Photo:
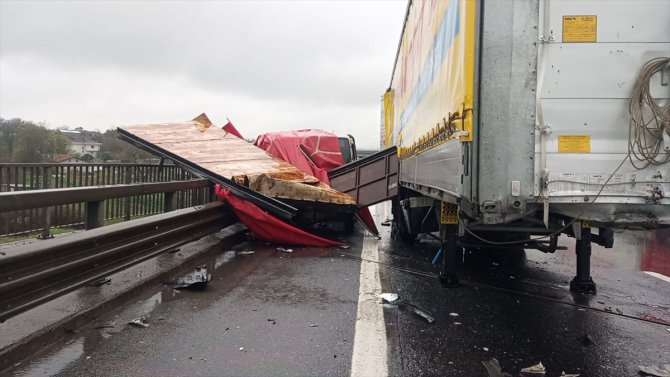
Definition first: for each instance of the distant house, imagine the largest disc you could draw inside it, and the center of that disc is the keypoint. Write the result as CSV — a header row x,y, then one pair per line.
x,y
67,159
80,144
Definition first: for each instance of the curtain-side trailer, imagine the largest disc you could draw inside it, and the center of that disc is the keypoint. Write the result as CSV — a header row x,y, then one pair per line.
x,y
517,121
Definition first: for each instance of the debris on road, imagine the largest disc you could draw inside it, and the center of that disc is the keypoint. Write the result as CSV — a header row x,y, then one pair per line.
x,y
485,349
493,367
563,374
246,252
394,299
139,322
196,280
453,314
656,370
274,321
586,340
108,326
284,250
241,348
389,297
313,325
100,282
535,369
345,247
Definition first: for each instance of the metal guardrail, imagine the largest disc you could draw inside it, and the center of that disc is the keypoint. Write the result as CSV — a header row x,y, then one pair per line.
x,y
39,272
93,199
39,176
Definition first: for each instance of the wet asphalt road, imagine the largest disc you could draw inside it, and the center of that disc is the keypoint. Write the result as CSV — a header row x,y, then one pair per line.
x,y
278,314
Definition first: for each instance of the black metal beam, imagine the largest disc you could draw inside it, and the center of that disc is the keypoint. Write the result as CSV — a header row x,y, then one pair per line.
x,y
18,200
272,205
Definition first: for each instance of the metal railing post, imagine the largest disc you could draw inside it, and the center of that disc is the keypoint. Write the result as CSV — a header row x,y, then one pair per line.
x,y
170,201
126,201
95,214
46,219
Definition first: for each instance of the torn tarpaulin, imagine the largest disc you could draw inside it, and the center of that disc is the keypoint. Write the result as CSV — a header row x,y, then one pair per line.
x,y
267,227
313,151
232,130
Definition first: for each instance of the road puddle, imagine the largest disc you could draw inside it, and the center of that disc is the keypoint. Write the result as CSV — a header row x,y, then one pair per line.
x,y
55,361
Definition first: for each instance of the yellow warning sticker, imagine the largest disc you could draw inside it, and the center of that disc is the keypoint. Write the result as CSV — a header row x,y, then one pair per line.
x,y
448,213
574,144
580,28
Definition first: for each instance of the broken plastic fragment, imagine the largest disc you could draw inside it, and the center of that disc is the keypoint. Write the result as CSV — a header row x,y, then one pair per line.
x,y
535,369
563,374
453,314
241,348
284,250
246,252
393,299
194,280
139,322
656,370
421,313
389,297
493,367
344,247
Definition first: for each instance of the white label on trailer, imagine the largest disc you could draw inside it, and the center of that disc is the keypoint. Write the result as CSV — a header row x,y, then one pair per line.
x,y
568,182
596,181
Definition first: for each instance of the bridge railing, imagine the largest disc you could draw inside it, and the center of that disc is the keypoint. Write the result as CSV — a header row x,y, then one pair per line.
x,y
18,177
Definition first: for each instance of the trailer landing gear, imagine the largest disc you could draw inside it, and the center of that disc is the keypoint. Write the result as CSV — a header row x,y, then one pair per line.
x,y
582,282
452,250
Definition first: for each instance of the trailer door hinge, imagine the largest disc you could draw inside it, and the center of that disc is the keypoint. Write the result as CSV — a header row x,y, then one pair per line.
x,y
547,39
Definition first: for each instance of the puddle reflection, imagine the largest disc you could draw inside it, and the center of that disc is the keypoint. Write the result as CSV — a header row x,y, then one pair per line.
x,y
54,362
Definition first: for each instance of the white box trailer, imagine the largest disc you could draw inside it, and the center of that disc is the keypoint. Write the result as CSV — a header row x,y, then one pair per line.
x,y
519,118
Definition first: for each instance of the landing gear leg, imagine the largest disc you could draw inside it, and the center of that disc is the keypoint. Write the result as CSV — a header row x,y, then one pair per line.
x,y
449,237
582,282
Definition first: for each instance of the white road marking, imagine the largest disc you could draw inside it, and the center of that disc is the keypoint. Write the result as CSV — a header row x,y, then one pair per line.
x,y
369,354
657,275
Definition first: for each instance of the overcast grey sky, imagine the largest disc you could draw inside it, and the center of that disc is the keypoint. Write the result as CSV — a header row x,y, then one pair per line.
x,y
267,65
